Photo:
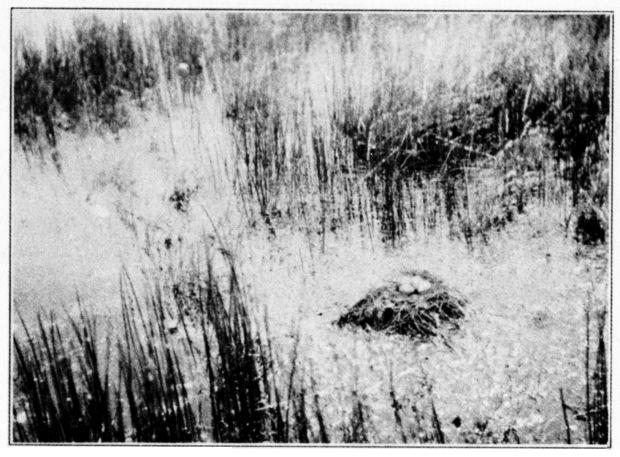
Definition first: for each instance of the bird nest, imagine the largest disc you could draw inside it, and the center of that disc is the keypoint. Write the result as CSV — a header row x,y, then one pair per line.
x,y
417,305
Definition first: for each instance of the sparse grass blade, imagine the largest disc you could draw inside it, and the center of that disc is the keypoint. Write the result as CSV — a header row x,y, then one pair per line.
x,y
599,409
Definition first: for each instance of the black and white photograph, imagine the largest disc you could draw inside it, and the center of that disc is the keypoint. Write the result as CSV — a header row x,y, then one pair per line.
x,y
329,227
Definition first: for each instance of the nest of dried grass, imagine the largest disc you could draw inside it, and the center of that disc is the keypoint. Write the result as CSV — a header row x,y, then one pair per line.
x,y
417,305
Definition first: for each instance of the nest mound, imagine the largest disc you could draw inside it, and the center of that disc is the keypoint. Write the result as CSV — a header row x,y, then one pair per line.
x,y
417,305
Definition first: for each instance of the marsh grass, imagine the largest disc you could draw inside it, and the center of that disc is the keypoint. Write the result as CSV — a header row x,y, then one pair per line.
x,y
63,387
317,144
64,391
237,383
597,404
339,152
140,389
155,386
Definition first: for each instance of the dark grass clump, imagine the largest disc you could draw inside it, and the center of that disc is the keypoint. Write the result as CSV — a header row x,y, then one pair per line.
x,y
64,393
246,402
62,388
155,384
81,77
597,401
181,197
418,305
251,397
236,388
